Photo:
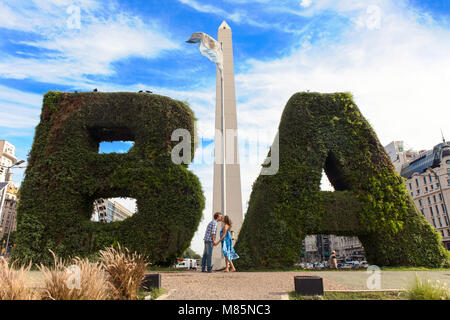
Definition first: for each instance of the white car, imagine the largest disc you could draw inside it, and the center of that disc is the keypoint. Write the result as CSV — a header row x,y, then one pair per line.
x,y
363,264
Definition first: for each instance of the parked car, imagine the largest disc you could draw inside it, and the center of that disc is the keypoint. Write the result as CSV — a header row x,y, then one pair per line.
x,y
346,266
190,264
363,264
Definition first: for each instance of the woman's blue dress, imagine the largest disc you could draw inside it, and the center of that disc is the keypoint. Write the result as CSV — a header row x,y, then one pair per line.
x,y
227,246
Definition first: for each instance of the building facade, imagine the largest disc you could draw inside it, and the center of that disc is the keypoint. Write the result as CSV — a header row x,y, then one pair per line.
x,y
428,182
399,154
8,215
347,247
318,248
7,159
9,194
109,210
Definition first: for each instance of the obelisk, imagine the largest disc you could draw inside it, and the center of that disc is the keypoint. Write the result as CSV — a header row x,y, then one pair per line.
x,y
233,196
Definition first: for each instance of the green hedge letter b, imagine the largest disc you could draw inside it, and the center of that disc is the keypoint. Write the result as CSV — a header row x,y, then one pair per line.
x,y
327,132
66,174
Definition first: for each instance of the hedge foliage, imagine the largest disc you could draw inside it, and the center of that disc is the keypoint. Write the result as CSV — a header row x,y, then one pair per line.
x,y
66,174
327,131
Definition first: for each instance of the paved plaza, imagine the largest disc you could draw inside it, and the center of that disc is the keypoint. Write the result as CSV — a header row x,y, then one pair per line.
x,y
269,285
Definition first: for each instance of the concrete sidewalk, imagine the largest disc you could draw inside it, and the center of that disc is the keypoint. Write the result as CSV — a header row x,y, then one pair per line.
x,y
191,285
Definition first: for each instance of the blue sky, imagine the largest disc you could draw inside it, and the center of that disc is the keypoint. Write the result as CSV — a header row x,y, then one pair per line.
x,y
392,55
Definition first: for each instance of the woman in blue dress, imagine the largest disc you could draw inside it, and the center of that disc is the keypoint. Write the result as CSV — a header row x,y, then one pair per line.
x,y
227,244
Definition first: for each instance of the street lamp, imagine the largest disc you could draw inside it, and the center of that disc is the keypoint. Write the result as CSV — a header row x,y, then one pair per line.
x,y
212,49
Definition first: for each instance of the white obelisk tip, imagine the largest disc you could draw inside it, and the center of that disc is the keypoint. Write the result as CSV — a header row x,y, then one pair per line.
x,y
224,25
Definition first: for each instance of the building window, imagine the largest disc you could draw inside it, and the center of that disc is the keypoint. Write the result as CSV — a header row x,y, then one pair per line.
x,y
410,186
442,232
440,223
431,211
425,180
434,199
446,220
423,212
421,202
431,178
418,190
440,196
434,223
448,181
429,200
432,187
437,209
443,208
417,182
412,194
448,161
426,189
448,232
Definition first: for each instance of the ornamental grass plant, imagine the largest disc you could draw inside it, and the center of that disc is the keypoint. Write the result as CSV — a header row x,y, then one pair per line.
x,y
125,271
13,282
81,280
428,290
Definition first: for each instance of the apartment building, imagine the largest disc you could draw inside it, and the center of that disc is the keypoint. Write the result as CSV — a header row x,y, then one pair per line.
x,y
428,181
8,221
109,210
7,159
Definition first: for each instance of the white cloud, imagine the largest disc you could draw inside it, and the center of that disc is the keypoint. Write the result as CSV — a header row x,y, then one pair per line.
x,y
18,109
306,3
19,97
69,56
241,15
398,74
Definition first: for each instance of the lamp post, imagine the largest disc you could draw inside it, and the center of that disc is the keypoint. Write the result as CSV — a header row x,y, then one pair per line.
x,y
1,206
213,50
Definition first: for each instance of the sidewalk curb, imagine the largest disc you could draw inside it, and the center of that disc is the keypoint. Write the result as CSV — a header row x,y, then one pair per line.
x,y
165,295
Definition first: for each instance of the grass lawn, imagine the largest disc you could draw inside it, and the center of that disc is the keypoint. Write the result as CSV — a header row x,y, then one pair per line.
x,y
154,294
335,295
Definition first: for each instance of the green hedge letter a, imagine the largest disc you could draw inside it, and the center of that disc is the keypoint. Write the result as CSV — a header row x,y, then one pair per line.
x,y
327,132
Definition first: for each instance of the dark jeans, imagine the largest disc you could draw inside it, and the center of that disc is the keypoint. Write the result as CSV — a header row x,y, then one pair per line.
x,y
207,256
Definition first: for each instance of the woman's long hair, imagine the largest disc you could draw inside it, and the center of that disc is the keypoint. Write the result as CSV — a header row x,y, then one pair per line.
x,y
227,221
